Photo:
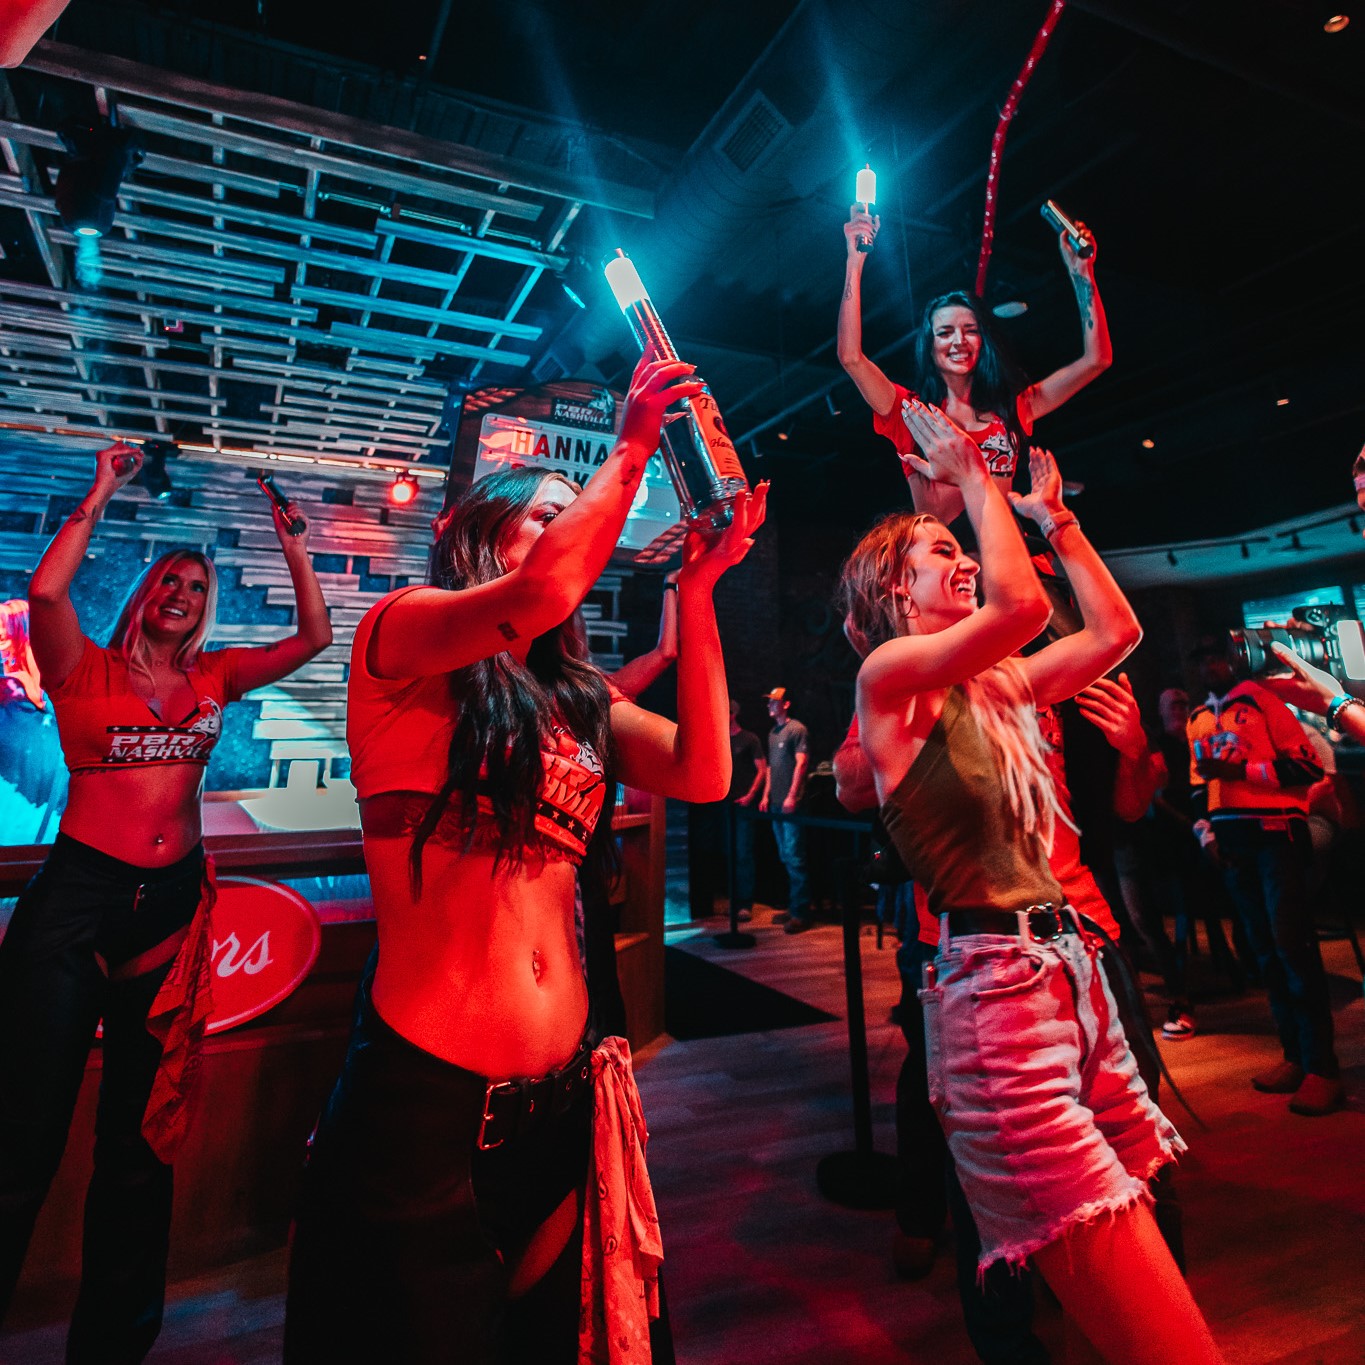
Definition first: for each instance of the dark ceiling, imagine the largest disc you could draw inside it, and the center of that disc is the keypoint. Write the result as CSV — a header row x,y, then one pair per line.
x,y
1213,147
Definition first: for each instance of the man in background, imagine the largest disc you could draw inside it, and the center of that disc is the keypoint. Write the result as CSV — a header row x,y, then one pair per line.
x,y
1253,767
783,786
748,775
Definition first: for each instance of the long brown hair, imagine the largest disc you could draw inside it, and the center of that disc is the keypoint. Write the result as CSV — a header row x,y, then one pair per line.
x,y
504,707
127,637
999,698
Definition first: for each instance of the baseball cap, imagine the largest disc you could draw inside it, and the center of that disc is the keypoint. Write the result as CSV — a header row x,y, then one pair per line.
x,y
777,694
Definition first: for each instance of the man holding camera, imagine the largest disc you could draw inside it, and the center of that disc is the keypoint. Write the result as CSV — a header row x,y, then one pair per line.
x,y
1254,766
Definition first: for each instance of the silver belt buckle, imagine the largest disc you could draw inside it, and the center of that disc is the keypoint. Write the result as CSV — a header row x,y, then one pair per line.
x,y
491,1089
1046,908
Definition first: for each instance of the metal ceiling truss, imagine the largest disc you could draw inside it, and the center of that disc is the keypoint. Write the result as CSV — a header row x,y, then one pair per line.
x,y
277,277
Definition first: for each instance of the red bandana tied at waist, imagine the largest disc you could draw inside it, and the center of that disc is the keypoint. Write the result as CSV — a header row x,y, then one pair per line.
x,y
622,1250
177,1021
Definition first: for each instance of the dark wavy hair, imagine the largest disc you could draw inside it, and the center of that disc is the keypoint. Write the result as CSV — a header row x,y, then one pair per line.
x,y
503,707
997,380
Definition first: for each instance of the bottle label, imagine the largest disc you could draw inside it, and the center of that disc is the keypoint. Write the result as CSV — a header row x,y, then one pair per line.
x,y
724,456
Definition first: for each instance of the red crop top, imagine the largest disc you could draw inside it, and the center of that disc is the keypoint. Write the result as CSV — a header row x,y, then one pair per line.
x,y
399,731
996,444
103,723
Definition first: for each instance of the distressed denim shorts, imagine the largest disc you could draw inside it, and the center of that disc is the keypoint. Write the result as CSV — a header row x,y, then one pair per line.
x,y
1047,1119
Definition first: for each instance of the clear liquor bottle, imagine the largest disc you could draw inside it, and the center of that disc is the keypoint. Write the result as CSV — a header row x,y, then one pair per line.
x,y
698,453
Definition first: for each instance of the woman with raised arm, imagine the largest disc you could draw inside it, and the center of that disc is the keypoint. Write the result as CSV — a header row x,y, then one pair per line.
x,y
475,1189
1052,1132
961,367
114,925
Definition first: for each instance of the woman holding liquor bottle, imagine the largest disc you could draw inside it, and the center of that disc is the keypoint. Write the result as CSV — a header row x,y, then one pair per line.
x,y
475,1190
962,368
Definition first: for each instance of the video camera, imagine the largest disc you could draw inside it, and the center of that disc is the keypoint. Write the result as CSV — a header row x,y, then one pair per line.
x,y
1327,638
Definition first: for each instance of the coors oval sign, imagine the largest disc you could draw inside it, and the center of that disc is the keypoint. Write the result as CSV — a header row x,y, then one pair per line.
x,y
265,940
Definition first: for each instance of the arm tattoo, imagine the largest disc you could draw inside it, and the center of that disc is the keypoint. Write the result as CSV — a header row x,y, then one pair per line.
x,y
78,516
1085,296
506,631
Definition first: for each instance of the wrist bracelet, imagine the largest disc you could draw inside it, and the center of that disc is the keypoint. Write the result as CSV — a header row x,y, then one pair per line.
x,y
670,587
1338,704
1050,525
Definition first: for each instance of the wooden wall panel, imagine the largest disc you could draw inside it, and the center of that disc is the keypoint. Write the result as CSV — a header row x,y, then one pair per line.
x,y
362,548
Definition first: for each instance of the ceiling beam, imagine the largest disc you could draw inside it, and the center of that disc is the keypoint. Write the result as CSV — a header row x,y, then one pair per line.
x,y
117,73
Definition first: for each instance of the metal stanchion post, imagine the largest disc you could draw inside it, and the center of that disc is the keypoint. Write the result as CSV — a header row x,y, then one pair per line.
x,y
862,1178
734,938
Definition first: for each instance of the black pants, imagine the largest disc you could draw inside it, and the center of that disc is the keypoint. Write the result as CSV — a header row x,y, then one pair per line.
x,y
1267,871
81,917
405,1231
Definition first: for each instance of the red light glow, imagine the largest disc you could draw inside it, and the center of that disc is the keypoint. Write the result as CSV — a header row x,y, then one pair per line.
x,y
403,490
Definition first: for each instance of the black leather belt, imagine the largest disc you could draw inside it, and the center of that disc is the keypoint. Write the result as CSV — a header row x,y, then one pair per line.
x,y
1044,922
511,1107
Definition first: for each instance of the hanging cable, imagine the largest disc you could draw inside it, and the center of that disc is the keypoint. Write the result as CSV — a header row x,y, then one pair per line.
x,y
1035,53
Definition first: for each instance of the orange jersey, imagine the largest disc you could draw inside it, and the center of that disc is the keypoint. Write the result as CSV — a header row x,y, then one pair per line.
x,y
1253,726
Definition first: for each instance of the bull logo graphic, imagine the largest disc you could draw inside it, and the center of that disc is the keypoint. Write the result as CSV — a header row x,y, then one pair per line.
x,y
210,719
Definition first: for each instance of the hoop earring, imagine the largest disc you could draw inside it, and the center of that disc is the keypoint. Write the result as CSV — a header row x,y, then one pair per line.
x,y
910,611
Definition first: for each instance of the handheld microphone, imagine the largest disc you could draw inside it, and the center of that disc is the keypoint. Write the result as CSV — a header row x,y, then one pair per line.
x,y
293,523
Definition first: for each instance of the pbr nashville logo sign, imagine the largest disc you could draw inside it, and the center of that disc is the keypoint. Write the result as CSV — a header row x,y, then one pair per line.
x,y
597,413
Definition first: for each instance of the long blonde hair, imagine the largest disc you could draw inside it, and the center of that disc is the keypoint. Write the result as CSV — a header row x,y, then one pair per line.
x,y
128,639
1000,699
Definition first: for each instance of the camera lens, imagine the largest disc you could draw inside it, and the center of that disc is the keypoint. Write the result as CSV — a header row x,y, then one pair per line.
x,y
1245,656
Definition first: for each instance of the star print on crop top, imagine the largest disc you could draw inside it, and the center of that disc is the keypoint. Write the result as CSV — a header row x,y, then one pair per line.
x,y
995,442
399,730
104,724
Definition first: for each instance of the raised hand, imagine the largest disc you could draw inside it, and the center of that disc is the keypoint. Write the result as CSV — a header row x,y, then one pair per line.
x,y
1044,498
654,385
289,541
945,451
1110,706
860,224
1083,265
707,556
115,466
1310,687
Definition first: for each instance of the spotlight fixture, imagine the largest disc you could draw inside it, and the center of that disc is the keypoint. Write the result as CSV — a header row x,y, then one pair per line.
x,y
99,155
1246,550
785,433
1171,559
1336,23
1294,542
1148,443
403,490
153,476
1282,402
1010,308
829,403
